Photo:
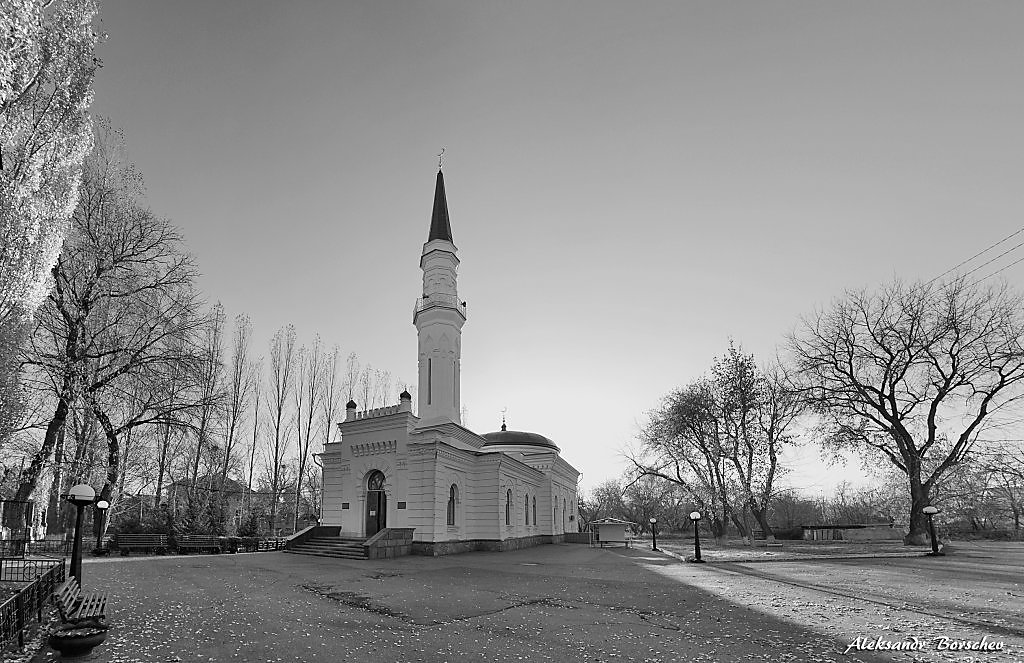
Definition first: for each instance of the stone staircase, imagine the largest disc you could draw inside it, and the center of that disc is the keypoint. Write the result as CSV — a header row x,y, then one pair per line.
x,y
330,546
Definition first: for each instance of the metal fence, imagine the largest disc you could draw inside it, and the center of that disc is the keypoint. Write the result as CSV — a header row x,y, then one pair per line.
x,y
265,545
21,547
17,612
23,569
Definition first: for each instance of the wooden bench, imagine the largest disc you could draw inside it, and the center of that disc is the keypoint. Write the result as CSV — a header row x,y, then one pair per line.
x,y
76,608
199,542
150,542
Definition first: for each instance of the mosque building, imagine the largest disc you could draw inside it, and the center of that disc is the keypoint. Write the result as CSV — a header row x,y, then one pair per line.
x,y
455,489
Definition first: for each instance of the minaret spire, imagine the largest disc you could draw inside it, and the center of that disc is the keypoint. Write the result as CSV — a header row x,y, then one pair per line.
x,y
440,227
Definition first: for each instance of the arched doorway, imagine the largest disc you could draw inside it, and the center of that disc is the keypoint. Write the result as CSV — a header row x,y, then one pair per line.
x,y
376,503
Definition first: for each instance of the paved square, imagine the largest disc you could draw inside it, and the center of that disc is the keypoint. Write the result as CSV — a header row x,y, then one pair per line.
x,y
554,603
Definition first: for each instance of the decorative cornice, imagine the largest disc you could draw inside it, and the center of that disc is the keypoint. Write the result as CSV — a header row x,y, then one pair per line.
x,y
374,448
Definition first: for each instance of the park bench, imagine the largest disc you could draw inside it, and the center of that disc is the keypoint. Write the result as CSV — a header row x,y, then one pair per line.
x,y
199,542
150,542
76,608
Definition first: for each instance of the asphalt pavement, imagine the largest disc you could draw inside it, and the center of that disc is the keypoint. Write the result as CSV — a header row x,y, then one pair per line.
x,y
549,603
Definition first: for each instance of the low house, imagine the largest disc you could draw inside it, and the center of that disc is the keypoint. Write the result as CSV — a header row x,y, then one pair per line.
x,y
612,530
852,532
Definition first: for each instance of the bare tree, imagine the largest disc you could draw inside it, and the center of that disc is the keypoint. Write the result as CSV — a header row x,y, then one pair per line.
x,y
240,385
381,387
756,409
683,443
308,393
366,388
211,393
282,376
719,439
332,390
257,380
914,374
352,373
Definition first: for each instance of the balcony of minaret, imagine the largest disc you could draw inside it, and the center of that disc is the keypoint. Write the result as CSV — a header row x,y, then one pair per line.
x,y
439,300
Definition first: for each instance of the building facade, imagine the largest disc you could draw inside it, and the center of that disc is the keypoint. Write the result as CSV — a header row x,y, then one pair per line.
x,y
457,489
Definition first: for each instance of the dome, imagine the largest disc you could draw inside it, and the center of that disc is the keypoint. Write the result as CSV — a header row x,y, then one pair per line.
x,y
515,438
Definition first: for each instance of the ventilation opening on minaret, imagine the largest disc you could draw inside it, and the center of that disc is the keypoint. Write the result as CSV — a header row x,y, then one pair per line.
x,y
430,379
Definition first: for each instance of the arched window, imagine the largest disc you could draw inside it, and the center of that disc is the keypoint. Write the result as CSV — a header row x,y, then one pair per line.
x,y
534,509
508,507
453,497
376,481
526,509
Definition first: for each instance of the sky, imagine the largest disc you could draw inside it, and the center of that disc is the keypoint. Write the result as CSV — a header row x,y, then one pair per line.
x,y
630,185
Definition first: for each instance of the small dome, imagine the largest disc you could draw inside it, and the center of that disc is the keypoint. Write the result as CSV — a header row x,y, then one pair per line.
x,y
405,395
518,439
351,405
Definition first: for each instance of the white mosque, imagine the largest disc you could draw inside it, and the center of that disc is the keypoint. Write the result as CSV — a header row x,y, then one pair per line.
x,y
456,490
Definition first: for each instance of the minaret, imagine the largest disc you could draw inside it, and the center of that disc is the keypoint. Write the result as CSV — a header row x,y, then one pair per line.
x,y
439,316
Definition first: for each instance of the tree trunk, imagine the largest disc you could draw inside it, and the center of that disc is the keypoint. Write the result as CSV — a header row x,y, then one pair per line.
x,y
113,453
919,499
30,477
53,521
161,468
718,527
740,526
761,516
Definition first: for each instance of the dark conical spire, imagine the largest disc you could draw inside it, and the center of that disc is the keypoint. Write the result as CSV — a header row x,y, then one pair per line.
x,y
440,228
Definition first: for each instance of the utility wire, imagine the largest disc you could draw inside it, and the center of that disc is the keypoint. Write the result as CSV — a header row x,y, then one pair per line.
x,y
979,253
992,260
1002,269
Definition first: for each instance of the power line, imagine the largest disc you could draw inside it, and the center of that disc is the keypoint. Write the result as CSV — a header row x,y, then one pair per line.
x,y
989,262
979,253
1002,269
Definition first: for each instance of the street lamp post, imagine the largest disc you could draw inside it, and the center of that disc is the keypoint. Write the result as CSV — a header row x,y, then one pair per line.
x,y
654,533
101,507
79,495
695,517
930,511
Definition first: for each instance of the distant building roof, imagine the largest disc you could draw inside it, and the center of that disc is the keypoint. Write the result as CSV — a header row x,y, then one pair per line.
x,y
230,485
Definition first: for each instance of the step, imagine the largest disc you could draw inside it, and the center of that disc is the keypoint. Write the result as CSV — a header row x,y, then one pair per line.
x,y
330,546
318,553
322,544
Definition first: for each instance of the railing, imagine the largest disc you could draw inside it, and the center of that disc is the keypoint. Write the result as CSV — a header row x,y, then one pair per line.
x,y
253,544
378,412
267,545
19,569
20,548
440,300
16,612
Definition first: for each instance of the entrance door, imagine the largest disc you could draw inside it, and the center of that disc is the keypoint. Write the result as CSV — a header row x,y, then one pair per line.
x,y
376,504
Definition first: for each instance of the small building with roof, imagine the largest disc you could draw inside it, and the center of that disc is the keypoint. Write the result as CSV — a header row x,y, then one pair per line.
x,y
457,490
